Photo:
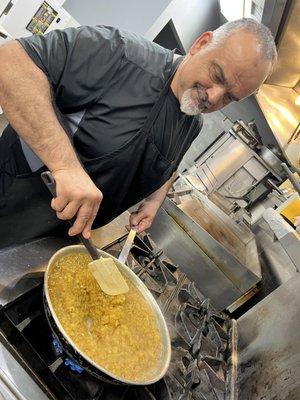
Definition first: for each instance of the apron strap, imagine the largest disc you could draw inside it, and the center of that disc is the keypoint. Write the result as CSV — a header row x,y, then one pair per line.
x,y
161,99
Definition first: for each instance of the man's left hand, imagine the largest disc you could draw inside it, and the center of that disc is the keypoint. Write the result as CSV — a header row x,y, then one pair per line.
x,y
142,218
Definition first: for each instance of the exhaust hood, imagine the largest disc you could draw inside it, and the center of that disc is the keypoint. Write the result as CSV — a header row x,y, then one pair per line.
x,y
278,96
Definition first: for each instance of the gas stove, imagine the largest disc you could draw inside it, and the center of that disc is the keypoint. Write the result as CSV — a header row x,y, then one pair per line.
x,y
199,336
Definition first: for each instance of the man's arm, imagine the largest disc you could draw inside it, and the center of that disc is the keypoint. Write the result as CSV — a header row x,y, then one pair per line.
x,y
142,218
25,97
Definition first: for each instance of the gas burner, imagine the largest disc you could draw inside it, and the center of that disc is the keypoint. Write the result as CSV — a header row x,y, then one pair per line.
x,y
189,321
190,294
189,379
156,275
182,375
154,252
199,338
206,389
71,364
150,264
200,345
183,366
145,251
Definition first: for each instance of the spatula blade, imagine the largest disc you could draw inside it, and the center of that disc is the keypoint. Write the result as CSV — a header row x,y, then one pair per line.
x,y
108,276
127,246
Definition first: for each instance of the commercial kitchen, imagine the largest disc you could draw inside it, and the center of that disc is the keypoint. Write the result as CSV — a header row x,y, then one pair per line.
x,y
222,257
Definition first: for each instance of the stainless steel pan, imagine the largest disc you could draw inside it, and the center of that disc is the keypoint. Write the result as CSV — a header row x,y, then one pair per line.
x,y
80,357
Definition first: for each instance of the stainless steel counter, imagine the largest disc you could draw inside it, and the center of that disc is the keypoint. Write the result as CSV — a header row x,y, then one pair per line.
x,y
218,274
15,383
236,238
22,266
268,346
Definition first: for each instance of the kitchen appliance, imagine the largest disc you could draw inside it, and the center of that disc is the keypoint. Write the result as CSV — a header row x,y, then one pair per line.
x,y
235,170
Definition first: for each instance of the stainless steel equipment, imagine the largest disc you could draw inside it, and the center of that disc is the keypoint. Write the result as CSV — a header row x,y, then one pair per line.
x,y
227,279
262,345
237,167
277,97
266,356
199,336
287,236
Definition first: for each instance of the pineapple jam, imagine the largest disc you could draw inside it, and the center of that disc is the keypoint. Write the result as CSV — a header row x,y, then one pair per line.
x,y
119,333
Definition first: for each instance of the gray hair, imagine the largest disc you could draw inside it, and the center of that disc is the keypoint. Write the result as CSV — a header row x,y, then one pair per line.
x,y
261,32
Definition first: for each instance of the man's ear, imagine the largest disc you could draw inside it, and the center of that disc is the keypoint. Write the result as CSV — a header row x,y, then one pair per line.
x,y
201,42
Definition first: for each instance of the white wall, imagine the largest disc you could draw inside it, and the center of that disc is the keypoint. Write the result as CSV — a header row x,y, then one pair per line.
x,y
190,17
132,15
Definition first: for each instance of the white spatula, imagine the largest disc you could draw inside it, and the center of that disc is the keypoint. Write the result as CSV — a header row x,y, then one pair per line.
x,y
127,246
100,269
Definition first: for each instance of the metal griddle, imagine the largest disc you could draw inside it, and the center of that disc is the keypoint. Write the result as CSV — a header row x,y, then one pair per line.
x,y
218,273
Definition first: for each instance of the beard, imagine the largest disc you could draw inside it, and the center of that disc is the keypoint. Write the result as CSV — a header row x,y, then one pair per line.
x,y
192,101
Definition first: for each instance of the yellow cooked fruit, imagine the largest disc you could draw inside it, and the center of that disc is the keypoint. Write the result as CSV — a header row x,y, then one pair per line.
x,y
119,333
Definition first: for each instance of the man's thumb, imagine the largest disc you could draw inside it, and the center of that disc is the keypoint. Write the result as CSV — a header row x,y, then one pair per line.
x,y
135,218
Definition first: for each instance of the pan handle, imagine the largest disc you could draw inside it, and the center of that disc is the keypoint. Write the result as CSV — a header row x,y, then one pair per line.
x,y
49,181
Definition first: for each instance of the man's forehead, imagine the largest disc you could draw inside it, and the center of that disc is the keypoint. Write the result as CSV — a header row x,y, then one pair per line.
x,y
240,81
242,50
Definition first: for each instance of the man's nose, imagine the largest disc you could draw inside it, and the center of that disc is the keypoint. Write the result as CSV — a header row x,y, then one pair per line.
x,y
215,94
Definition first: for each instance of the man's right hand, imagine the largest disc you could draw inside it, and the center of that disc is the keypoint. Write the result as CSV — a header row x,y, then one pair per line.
x,y
26,99
77,196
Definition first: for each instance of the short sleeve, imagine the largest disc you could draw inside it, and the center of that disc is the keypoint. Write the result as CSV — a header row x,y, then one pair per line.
x,y
79,62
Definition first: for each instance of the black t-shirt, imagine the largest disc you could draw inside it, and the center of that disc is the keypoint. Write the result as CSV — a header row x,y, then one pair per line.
x,y
105,81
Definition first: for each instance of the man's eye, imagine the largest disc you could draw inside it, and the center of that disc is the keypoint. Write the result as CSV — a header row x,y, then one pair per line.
x,y
218,79
228,98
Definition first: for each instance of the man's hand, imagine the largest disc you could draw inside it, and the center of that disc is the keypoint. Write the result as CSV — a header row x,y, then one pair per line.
x,y
25,96
77,196
142,218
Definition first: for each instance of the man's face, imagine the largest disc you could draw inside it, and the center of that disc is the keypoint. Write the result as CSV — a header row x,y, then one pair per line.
x,y
212,77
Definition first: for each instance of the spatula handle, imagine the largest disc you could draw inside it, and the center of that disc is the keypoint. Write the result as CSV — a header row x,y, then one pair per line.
x,y
49,181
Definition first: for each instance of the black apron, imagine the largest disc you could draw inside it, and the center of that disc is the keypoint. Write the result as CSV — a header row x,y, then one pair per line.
x,y
124,176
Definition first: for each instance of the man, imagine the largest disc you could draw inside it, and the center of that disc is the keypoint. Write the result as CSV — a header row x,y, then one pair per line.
x,y
111,115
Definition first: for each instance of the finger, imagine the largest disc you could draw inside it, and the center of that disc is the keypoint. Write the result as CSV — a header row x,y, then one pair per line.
x,y
59,203
143,225
88,227
135,218
132,217
69,211
83,215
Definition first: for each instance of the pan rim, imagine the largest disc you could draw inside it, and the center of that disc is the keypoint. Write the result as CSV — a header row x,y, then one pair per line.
x,y
166,342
